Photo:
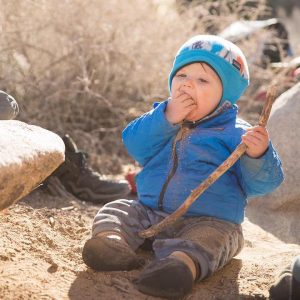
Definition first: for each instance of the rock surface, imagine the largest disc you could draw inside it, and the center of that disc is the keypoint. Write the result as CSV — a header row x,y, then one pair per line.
x,y
279,212
28,155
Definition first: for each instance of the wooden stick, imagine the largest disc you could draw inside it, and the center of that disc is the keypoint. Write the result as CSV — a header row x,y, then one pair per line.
x,y
229,162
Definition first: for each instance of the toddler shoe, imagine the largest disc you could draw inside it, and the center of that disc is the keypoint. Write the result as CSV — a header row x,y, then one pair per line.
x,y
109,253
168,277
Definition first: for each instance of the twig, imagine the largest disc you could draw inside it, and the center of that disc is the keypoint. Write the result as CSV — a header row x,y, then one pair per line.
x,y
235,155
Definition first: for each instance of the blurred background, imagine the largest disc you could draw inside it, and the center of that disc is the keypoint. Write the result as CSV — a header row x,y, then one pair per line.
x,y
88,67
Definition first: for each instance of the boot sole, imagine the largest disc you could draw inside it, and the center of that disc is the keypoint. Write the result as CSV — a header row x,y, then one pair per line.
x,y
88,195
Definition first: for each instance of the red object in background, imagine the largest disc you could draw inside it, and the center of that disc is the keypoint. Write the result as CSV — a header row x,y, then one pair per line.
x,y
296,73
261,95
130,177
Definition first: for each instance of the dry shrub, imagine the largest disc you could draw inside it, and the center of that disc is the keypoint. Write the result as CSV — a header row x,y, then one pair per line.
x,y
88,67
261,76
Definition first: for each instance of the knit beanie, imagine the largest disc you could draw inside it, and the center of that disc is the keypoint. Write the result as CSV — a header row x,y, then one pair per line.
x,y
224,57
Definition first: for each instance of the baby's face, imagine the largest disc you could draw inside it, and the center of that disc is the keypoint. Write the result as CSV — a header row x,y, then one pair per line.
x,y
202,84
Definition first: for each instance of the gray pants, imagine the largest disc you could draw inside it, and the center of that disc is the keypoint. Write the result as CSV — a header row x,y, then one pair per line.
x,y
209,241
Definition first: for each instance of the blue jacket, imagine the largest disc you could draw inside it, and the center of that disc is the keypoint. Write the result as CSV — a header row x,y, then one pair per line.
x,y
149,139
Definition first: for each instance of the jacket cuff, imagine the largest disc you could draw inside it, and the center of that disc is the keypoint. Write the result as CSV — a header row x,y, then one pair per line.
x,y
263,163
159,109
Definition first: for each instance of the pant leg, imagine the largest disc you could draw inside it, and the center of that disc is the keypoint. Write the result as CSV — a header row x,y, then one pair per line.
x,y
127,217
209,241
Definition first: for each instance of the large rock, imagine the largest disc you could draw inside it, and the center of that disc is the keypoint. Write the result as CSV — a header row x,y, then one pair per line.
x,y
28,155
279,212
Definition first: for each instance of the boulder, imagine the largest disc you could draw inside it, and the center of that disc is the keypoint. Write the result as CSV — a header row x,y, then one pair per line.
x,y
280,211
28,155
284,130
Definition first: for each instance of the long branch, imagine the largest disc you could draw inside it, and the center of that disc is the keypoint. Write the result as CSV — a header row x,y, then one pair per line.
x,y
230,161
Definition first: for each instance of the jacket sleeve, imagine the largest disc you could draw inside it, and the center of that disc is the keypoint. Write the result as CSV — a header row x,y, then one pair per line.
x,y
145,136
262,175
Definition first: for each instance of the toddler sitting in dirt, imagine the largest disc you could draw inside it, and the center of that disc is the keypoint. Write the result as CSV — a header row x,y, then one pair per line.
x,y
209,75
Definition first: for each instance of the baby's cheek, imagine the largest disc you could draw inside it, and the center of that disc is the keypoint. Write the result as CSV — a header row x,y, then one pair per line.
x,y
175,92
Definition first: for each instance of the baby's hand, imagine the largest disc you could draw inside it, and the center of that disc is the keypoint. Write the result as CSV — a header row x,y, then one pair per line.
x,y
257,140
179,107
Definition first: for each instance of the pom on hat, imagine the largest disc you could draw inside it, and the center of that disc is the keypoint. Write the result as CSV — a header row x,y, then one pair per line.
x,y
224,57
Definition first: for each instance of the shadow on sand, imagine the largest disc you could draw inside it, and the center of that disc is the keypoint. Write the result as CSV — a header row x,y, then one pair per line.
x,y
282,223
119,285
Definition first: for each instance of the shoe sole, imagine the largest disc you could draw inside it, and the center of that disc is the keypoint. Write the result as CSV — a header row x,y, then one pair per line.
x,y
160,279
88,195
103,254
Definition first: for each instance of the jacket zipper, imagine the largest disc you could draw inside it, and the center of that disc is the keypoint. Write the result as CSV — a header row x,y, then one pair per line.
x,y
185,128
171,174
180,135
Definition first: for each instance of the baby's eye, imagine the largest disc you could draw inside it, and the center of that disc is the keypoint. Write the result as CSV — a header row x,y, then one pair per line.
x,y
202,80
180,75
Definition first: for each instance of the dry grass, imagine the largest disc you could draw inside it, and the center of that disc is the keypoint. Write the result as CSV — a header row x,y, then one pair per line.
x,y
88,67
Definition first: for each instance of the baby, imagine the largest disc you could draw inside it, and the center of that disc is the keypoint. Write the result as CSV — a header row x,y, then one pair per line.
x,y
179,143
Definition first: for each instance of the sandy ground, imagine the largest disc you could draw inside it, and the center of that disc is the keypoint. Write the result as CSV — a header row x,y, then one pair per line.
x,y
40,257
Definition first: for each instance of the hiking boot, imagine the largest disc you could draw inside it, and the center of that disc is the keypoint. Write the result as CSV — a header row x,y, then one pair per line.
x,y
280,290
84,183
287,286
9,108
168,277
110,254
296,279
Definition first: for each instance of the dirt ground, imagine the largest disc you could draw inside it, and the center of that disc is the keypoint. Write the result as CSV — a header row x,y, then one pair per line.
x,y
40,257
